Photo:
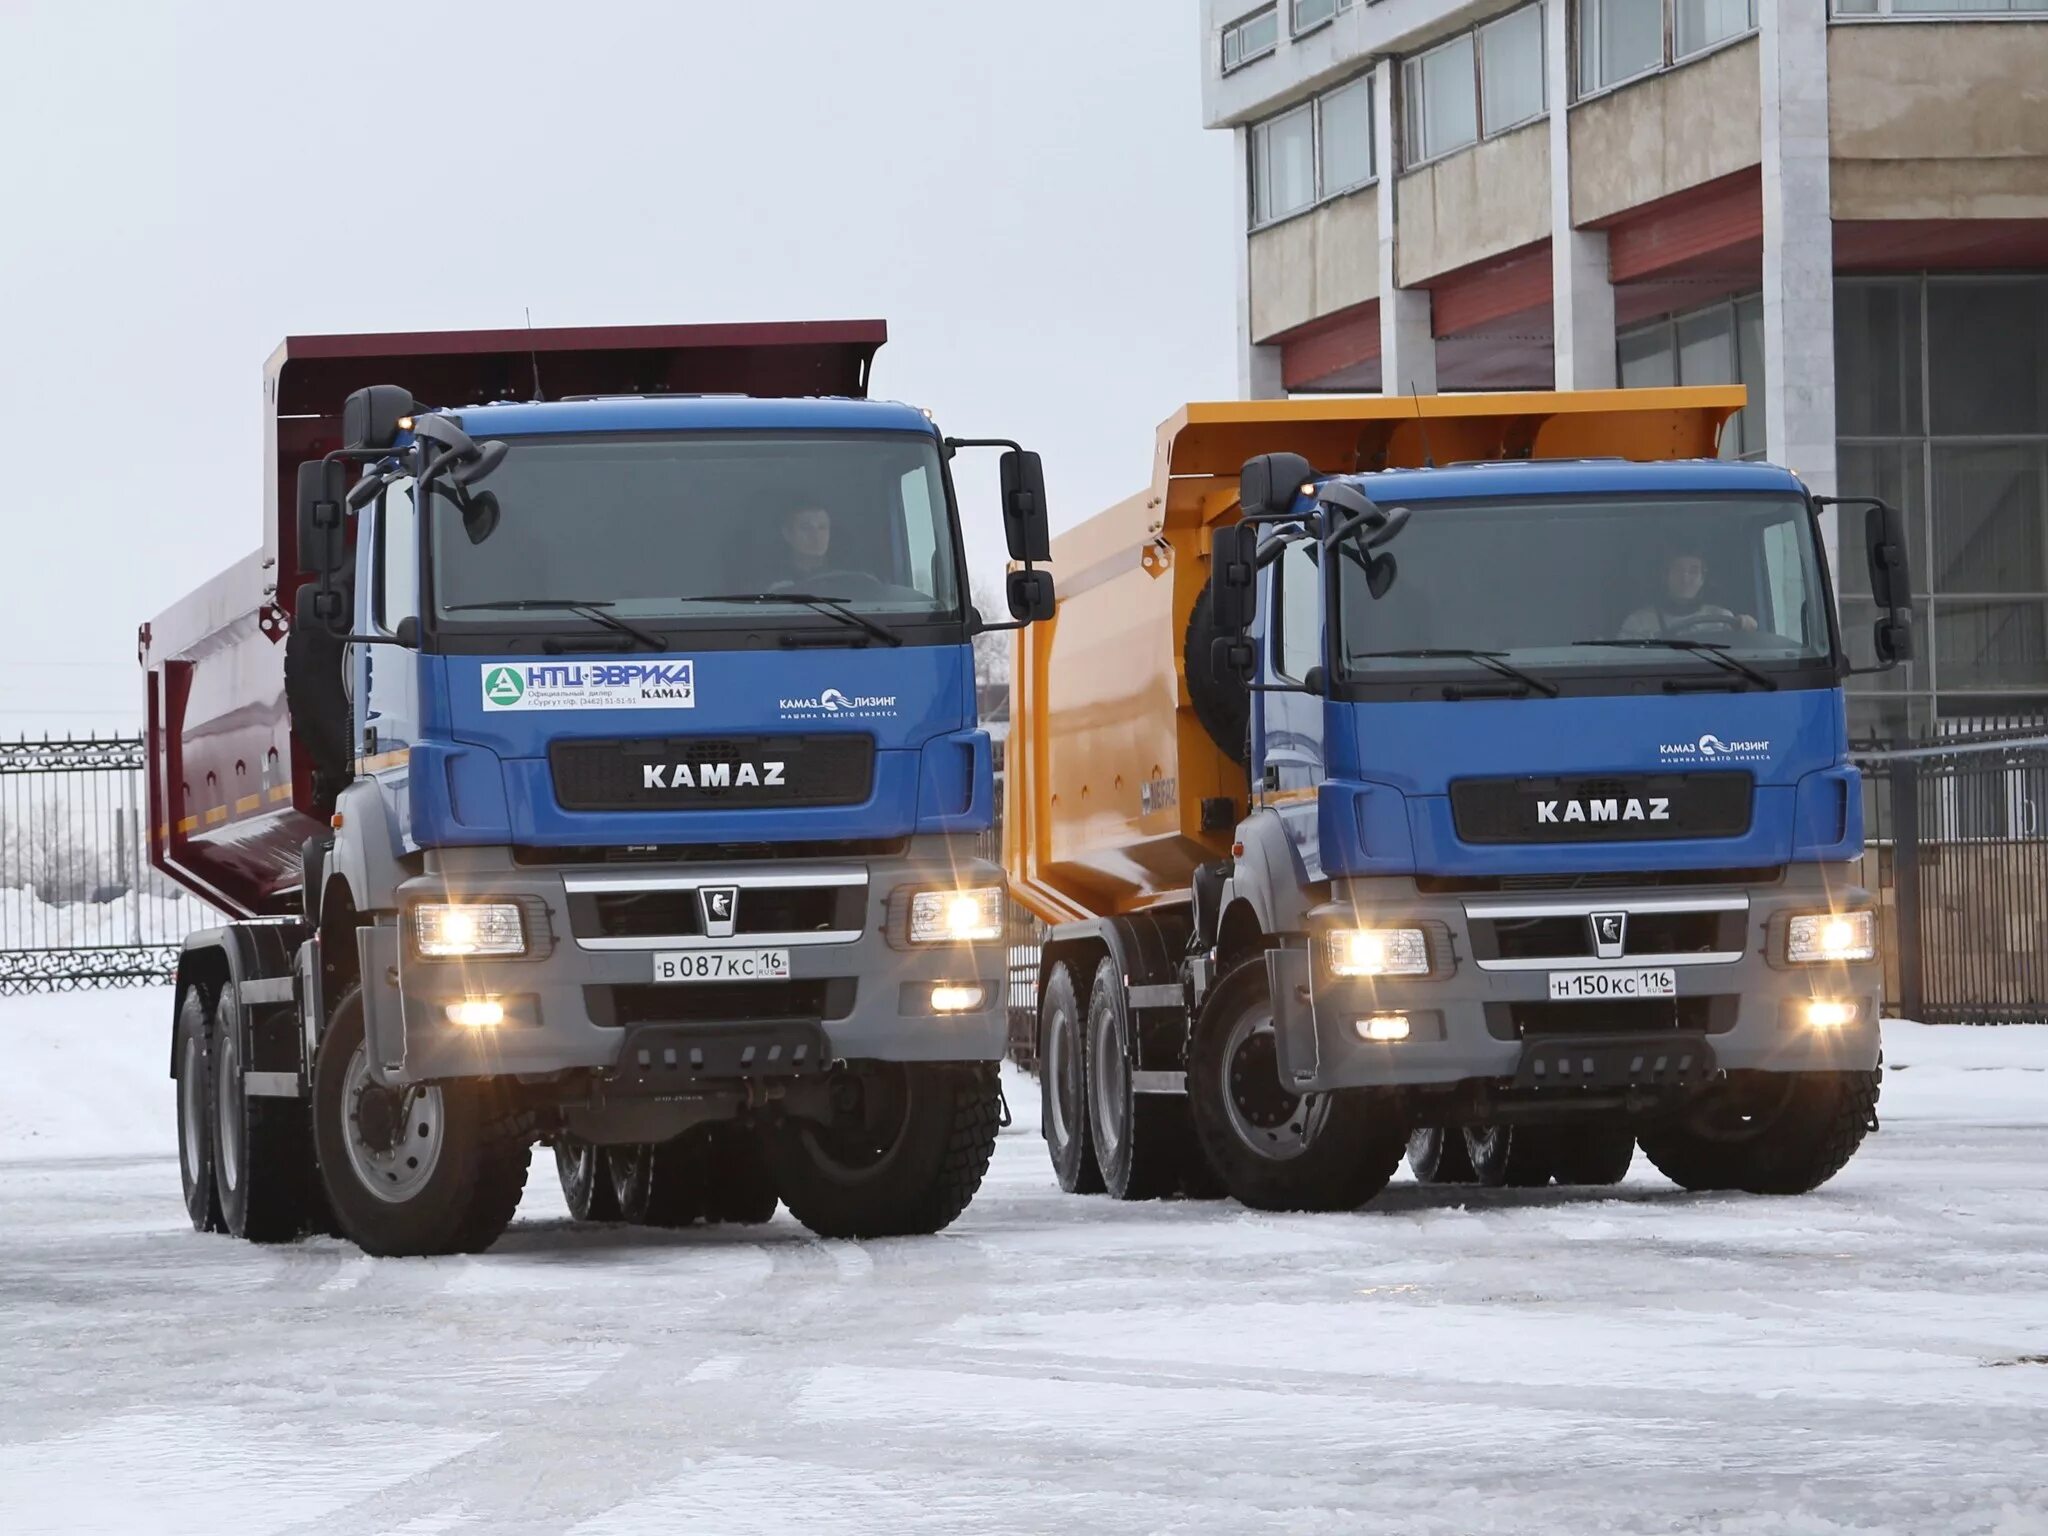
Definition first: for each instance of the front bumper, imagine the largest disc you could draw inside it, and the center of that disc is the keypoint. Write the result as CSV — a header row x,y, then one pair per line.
x,y
578,1002
1491,1021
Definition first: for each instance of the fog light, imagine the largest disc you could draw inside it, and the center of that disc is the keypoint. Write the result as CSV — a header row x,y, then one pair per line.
x,y
951,997
1384,1027
1825,1013
476,1013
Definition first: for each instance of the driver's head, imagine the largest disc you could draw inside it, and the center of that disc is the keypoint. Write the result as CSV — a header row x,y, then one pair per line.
x,y
1684,575
808,533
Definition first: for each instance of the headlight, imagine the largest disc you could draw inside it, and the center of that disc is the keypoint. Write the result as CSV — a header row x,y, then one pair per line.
x,y
1817,936
1379,952
443,930
957,917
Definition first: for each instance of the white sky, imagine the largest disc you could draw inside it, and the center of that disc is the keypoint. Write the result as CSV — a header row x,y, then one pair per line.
x,y
1024,193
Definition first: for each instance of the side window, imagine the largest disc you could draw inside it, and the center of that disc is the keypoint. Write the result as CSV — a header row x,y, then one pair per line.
x,y
1785,579
398,556
1300,611
920,539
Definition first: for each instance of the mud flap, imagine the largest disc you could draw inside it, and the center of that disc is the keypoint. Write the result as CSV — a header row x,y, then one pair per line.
x,y
1294,1018
383,1012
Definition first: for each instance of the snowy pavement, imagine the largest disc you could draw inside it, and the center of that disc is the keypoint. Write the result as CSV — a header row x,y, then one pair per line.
x,y
1642,1361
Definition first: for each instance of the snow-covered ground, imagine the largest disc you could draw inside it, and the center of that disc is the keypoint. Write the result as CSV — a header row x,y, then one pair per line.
x,y
1854,1361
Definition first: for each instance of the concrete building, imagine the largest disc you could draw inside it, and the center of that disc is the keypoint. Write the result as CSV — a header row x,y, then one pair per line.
x,y
1841,203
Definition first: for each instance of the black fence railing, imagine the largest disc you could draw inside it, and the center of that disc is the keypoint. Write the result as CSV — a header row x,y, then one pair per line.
x,y
80,905
1958,836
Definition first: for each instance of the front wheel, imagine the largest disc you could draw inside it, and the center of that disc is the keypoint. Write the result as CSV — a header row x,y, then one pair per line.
x,y
414,1171
1767,1133
903,1153
1274,1150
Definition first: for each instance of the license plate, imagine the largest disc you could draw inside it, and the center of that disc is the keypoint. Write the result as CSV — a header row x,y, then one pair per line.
x,y
723,965
1607,986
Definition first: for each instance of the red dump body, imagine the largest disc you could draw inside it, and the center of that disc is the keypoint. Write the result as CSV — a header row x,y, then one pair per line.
x,y
229,793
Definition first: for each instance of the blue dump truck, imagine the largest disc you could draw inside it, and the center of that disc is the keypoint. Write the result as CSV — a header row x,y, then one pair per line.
x,y
1475,785
612,780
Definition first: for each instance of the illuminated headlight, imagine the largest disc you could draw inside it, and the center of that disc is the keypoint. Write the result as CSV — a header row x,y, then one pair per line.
x,y
957,917
1820,936
444,930
1379,952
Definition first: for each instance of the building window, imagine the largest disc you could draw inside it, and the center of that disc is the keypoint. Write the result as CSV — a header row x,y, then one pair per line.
x,y
1721,344
1310,14
1251,37
1940,7
1478,84
1621,39
1317,151
1942,409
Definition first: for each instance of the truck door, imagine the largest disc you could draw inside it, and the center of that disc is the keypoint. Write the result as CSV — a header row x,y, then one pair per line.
x,y
384,679
1288,739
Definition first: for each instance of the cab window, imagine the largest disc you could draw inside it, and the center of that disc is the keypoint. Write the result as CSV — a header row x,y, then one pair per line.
x,y
1299,611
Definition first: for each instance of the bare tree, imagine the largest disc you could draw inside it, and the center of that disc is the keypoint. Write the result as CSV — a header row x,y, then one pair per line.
x,y
991,652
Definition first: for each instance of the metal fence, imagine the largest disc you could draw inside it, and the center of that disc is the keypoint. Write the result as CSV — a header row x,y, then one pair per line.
x,y
79,904
1958,833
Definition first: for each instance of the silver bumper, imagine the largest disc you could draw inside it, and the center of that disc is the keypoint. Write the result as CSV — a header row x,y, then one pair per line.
x,y
1483,1018
575,1002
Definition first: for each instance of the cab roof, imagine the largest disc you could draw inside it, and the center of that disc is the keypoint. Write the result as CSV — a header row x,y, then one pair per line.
x,y
692,413
1574,477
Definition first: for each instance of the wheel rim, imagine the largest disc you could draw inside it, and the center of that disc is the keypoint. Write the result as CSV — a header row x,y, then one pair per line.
x,y
1107,1083
874,1113
1063,1074
394,1136
227,1089
1263,1115
192,1110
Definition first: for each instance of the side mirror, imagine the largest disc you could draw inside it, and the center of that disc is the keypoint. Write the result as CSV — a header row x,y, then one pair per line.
x,y
1268,484
370,417
1884,537
1030,594
1234,578
1024,520
480,516
1892,635
408,632
489,455
323,522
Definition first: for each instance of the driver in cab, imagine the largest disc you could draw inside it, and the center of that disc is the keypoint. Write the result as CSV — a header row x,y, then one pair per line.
x,y
807,537
1679,612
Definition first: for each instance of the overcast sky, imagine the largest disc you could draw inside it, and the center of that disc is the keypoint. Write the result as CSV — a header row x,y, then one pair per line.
x,y
1024,193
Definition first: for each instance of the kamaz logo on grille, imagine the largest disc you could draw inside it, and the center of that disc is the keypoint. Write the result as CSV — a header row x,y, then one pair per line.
x,y
1557,812
711,775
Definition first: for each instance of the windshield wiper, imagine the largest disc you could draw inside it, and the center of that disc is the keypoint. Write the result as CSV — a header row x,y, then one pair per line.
x,y
1711,650
834,607
1491,660
583,608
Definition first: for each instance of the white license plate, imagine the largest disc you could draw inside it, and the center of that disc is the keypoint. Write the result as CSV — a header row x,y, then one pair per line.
x,y
1607,986
723,965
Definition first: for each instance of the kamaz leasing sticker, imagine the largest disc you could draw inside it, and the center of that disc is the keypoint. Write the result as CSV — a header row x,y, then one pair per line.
x,y
589,685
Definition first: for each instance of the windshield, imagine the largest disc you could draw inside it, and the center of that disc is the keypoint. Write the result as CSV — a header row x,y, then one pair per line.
x,y
1537,583
639,526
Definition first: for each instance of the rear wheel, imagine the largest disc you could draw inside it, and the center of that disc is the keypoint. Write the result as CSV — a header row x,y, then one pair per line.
x,y
1510,1157
1593,1154
262,1155
904,1151
656,1184
586,1177
1769,1133
415,1171
1063,1086
195,1114
738,1185
1274,1150
1436,1155
1142,1140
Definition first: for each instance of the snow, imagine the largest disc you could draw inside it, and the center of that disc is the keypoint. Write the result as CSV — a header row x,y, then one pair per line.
x,y
1441,1364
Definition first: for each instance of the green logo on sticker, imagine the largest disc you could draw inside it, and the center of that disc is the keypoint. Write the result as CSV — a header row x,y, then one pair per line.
x,y
503,686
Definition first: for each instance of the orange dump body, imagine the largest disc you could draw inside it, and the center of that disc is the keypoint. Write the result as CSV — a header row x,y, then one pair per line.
x,y
1107,767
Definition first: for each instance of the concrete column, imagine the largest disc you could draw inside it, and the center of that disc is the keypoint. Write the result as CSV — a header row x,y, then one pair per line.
x,y
1258,367
1407,349
1581,296
1799,256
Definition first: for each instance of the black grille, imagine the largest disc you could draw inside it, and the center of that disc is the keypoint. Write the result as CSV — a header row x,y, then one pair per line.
x,y
1623,808
713,853
1571,938
661,914
1646,1015
1632,879
738,1002
699,772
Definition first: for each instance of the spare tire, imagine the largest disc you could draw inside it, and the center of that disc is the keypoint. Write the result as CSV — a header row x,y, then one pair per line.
x,y
1222,702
